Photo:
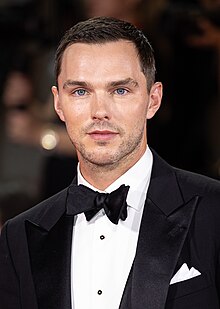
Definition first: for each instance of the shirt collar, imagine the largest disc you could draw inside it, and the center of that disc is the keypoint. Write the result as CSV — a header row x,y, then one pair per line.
x,y
137,177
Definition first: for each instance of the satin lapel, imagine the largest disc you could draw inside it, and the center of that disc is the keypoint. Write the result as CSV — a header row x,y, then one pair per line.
x,y
160,242
49,238
50,256
165,223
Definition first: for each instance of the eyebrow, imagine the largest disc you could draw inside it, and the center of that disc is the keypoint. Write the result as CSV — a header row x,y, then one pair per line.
x,y
123,82
72,83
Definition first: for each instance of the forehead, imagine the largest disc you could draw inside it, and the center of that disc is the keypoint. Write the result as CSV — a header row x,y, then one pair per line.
x,y
119,56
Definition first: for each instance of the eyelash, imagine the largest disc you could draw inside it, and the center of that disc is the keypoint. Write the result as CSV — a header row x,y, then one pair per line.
x,y
125,91
76,92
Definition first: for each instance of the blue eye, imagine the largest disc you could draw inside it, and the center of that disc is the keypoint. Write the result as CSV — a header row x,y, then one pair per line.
x,y
121,91
80,92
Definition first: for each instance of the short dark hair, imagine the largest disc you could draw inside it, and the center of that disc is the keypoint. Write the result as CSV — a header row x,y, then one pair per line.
x,y
100,30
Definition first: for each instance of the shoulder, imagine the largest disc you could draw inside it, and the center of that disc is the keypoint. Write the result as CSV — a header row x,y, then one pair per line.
x,y
207,190
42,217
190,183
197,184
41,210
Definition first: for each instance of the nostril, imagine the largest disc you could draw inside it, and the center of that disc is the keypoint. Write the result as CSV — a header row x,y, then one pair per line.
x,y
99,117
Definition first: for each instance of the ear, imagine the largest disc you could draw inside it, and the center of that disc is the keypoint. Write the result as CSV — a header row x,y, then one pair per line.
x,y
56,102
155,98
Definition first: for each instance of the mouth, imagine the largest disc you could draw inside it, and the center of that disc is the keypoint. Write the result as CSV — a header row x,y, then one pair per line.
x,y
102,135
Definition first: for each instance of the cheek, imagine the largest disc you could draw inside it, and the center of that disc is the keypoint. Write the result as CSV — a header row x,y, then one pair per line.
x,y
138,113
73,131
133,113
75,121
135,121
73,113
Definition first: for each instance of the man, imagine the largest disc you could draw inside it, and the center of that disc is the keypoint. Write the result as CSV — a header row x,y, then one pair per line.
x,y
79,249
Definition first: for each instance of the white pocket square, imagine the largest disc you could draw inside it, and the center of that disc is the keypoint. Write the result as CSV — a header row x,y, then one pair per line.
x,y
184,273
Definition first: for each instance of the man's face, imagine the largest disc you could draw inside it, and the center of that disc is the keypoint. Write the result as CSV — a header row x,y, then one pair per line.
x,y
103,100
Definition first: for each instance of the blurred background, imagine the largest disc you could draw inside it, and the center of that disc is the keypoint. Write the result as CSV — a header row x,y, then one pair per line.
x,y
36,157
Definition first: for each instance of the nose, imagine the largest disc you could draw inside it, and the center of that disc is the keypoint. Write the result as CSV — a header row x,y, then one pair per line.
x,y
100,107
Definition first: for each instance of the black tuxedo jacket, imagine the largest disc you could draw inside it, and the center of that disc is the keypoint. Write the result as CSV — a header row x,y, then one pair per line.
x,y
180,224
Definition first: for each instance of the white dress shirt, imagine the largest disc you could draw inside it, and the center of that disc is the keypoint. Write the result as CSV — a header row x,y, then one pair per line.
x,y
102,252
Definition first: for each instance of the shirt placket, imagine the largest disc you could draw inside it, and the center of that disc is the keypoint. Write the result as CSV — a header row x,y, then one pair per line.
x,y
101,243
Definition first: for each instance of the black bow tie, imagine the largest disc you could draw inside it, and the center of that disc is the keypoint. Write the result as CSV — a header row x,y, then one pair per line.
x,y
83,199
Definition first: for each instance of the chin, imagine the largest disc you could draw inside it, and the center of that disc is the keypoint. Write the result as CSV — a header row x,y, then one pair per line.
x,y
101,158
102,161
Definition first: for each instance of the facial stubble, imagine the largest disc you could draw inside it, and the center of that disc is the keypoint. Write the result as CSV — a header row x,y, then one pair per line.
x,y
125,153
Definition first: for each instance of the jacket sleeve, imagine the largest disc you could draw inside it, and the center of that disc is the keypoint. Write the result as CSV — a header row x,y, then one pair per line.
x,y
9,283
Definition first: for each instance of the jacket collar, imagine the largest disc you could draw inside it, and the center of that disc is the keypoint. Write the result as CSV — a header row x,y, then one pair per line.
x,y
50,211
164,189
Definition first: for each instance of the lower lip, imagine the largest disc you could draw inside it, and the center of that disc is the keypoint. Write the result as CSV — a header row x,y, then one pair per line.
x,y
103,136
